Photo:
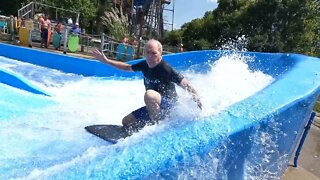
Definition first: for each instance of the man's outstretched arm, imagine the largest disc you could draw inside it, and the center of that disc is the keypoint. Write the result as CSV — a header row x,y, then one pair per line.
x,y
117,64
186,85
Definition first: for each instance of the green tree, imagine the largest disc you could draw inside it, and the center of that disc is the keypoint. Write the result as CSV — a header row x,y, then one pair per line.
x,y
191,33
11,7
287,26
173,38
102,6
201,44
261,26
87,9
227,20
269,26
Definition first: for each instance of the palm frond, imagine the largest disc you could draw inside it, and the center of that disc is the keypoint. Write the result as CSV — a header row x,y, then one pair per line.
x,y
116,22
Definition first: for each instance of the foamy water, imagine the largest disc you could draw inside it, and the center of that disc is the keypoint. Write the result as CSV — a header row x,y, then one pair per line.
x,y
44,143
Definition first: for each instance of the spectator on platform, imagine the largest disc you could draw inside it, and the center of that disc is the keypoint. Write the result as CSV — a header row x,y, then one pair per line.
x,y
122,49
131,50
58,28
75,29
69,21
181,48
44,27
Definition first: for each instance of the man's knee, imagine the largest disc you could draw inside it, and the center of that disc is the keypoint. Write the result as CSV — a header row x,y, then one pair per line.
x,y
152,96
128,120
130,124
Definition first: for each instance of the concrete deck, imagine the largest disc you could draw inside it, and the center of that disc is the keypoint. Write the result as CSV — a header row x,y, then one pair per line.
x,y
36,45
309,159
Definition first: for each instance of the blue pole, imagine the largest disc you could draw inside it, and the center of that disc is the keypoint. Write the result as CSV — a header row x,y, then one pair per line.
x,y
303,138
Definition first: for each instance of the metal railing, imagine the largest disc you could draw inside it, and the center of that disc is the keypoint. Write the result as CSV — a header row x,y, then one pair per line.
x,y
29,10
88,42
111,48
26,10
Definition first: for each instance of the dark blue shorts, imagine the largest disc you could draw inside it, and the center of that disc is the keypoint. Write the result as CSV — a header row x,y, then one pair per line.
x,y
44,33
142,114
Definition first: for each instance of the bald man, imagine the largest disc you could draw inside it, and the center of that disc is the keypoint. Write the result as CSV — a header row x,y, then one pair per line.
x,y
159,79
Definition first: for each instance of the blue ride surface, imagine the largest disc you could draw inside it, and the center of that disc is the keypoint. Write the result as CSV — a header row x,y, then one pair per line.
x,y
248,139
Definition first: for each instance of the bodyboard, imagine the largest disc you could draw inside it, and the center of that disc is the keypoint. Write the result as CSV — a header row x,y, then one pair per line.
x,y
110,133
24,36
56,40
130,52
121,50
49,38
73,43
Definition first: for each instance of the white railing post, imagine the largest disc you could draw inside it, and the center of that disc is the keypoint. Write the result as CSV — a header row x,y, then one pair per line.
x,y
102,42
65,37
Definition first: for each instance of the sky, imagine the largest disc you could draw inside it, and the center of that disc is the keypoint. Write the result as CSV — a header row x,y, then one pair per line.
x,y
187,10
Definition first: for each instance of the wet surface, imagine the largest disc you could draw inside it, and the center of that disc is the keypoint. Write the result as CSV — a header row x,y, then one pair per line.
x,y
309,159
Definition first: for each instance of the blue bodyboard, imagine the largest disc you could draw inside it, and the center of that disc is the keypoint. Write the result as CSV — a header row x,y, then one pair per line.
x,y
121,50
56,40
130,52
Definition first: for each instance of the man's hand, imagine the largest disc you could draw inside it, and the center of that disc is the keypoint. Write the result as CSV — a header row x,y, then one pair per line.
x,y
100,56
197,100
117,64
185,85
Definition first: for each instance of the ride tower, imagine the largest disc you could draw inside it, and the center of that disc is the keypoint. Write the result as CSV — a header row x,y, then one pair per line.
x,y
146,17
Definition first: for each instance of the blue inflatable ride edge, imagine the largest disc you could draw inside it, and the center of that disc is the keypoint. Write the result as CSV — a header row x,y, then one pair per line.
x,y
87,67
20,82
265,62
281,111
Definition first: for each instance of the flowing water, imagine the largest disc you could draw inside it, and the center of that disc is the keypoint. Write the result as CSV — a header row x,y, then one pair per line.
x,y
48,140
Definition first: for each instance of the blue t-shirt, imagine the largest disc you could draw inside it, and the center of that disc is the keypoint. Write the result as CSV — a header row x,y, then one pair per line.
x,y
76,30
